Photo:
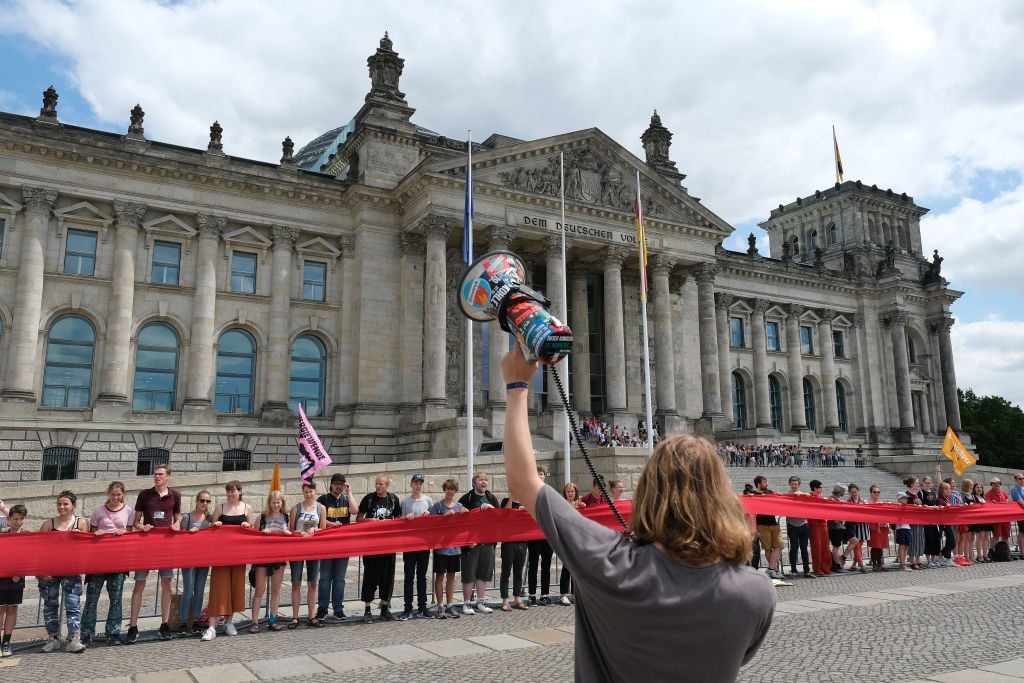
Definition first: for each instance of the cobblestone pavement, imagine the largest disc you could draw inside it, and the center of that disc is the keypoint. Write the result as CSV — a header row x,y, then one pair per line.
x,y
954,624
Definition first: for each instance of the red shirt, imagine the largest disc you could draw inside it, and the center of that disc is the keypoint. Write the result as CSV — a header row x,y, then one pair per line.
x,y
590,500
996,496
158,510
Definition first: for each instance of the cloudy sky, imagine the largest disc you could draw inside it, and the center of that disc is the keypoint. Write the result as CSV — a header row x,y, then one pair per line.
x,y
925,97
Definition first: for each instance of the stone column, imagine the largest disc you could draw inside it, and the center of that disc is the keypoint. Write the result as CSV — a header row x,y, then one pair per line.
x,y
499,237
709,371
614,332
28,297
664,346
580,326
275,408
722,303
555,286
435,308
949,398
762,405
120,306
828,371
925,413
202,367
795,368
349,322
897,321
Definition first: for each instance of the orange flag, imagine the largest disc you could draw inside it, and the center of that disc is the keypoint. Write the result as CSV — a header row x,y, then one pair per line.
x,y
275,481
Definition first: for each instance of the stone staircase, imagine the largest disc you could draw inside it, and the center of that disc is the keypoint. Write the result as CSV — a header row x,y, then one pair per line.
x,y
889,483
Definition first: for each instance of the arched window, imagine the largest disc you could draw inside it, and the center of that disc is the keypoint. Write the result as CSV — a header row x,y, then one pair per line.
x,y
911,350
841,406
236,460
308,375
67,377
739,402
149,458
775,402
59,462
156,368
814,240
809,405
795,243
236,372
833,233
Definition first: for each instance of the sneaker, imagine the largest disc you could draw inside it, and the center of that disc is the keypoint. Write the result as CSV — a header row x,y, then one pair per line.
x,y
440,613
133,635
809,575
404,616
165,632
115,639
338,614
467,609
52,644
565,601
209,634
6,651
532,602
484,609
367,616
230,630
386,615
545,600
772,574
321,612
75,645
86,639
424,613
452,612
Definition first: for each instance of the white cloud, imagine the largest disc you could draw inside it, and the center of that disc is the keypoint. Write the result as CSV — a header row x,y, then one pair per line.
x,y
990,358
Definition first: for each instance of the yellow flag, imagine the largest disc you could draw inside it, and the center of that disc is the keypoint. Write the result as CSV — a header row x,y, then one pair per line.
x,y
275,480
955,451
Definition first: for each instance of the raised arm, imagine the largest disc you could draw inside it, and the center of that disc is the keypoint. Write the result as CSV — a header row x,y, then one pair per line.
x,y
520,465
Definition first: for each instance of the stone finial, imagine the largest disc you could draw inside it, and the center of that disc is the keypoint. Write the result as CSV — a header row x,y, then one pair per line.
x,y
215,138
385,69
135,128
656,140
751,245
287,150
49,110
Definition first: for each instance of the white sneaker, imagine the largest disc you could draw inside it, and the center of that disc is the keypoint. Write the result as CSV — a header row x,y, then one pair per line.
x,y
209,634
467,609
75,645
482,608
52,645
230,630
565,601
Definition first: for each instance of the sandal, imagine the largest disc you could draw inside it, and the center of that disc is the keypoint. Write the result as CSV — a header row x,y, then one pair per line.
x,y
254,629
315,623
274,626
520,605
506,607
293,624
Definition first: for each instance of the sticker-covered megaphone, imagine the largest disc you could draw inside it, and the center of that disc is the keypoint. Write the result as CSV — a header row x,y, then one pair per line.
x,y
494,288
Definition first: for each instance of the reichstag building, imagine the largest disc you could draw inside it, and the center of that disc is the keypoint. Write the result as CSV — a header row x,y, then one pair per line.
x,y
161,303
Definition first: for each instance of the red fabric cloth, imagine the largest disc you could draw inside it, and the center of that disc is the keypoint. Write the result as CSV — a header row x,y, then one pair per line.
x,y
822,508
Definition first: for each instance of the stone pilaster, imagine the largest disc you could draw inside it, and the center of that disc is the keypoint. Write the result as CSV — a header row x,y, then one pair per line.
x,y
19,385
499,238
828,371
709,370
897,322
120,307
413,250
614,327
950,400
664,344
199,407
795,368
762,405
722,303
580,326
435,306
275,408
349,319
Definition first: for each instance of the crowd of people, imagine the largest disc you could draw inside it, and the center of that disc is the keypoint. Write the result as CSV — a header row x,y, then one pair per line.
x,y
162,507
603,434
788,455
825,546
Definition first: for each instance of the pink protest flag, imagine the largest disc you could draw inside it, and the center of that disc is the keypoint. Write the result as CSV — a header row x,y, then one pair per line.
x,y
312,456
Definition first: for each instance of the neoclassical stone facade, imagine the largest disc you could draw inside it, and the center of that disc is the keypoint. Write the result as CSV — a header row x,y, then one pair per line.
x,y
158,302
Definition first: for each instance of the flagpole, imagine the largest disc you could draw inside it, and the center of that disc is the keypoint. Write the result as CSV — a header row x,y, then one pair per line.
x,y
467,245
565,314
642,251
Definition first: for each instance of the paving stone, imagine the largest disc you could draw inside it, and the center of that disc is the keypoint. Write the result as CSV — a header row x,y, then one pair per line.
x,y
813,604
546,636
402,653
222,673
849,600
349,660
454,647
119,679
1013,667
502,642
792,608
272,669
174,676
974,676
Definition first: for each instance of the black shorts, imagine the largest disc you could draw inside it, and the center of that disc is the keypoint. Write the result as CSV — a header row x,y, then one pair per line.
x,y
11,596
447,564
837,537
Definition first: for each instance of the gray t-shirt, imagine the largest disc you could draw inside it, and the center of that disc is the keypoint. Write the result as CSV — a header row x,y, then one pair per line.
x,y
416,507
642,616
795,521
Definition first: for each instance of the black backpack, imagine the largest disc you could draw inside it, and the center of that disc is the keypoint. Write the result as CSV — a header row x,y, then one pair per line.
x,y
1001,553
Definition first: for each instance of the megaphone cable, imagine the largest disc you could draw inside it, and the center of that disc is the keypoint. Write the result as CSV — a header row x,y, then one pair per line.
x,y
575,430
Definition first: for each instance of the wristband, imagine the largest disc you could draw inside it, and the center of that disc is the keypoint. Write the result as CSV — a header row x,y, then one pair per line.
x,y
516,385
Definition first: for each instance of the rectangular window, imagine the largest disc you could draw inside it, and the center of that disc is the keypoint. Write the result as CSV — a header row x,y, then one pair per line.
x,y
59,463
838,344
243,272
80,254
771,334
806,341
314,281
736,333
166,263
3,224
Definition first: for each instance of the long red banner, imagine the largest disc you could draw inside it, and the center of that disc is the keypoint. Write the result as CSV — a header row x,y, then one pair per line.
x,y
64,553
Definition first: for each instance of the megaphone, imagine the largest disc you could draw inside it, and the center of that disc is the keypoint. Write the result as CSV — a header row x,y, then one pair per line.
x,y
494,288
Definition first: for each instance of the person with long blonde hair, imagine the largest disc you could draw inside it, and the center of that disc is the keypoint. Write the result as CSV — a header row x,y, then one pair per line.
x,y
676,596
273,520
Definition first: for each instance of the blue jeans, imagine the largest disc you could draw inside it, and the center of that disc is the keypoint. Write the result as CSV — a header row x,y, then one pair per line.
x,y
194,579
332,583
416,567
51,590
115,589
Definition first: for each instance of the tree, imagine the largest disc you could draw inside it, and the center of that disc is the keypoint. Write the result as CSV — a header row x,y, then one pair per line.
x,y
995,427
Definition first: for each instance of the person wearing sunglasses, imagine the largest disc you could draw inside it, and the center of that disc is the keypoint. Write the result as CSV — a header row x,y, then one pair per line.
x,y
194,578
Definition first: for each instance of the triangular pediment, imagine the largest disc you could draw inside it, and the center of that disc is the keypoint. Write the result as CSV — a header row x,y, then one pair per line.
x,y
83,212
247,236
170,226
7,205
318,246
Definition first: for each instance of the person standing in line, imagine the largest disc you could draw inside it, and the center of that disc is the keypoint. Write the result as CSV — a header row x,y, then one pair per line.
x,y
194,578
113,517
1000,530
12,588
273,520
306,518
379,570
983,535
1017,496
676,597
477,559
416,505
878,540
571,493
51,588
227,582
446,560
966,533
155,508
768,531
916,548
856,534
821,555
798,532
340,508
538,552
513,557
595,497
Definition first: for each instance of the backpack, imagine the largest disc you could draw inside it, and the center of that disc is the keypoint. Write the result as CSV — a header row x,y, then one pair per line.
x,y
1001,553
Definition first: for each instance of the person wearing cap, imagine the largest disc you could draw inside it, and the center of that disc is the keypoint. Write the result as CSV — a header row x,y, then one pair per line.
x,y
338,502
1000,530
416,505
